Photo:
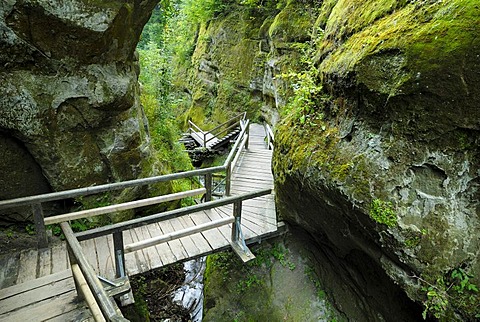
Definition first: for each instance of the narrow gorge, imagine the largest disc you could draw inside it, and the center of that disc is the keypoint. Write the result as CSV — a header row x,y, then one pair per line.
x,y
375,106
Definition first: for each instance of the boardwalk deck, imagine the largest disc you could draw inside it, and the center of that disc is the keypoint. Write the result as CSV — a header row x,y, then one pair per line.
x,y
51,265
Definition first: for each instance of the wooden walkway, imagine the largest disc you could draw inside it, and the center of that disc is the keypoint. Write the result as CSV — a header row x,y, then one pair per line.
x,y
49,268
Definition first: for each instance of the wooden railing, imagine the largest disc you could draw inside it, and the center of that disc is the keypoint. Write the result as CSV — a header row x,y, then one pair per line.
x,y
220,130
88,284
270,136
36,201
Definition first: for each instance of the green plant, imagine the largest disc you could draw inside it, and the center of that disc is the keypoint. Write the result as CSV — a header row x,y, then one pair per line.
x,y
383,213
30,229
454,291
9,233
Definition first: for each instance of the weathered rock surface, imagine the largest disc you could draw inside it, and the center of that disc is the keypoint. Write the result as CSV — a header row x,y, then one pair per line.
x,y
69,94
399,134
394,130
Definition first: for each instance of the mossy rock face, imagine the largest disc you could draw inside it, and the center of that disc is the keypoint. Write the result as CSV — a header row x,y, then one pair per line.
x,y
400,127
69,93
238,61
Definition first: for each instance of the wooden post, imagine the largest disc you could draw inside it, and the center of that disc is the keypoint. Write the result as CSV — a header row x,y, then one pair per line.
x,y
247,133
208,187
237,214
228,179
42,240
119,254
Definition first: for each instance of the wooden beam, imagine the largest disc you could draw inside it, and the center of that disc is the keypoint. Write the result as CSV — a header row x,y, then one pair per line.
x,y
123,206
87,293
39,225
177,234
108,308
110,229
105,187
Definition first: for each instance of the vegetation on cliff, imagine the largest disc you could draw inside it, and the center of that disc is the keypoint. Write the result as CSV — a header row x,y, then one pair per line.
x,y
386,139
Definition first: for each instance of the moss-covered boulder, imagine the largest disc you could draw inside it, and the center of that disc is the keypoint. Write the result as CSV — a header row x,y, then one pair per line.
x,y
384,168
69,93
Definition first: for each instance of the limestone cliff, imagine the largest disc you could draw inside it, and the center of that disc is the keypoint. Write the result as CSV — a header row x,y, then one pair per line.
x,y
380,163
69,108
387,173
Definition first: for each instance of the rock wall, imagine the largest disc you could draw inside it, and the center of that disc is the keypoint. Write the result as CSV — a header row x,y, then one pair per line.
x,y
382,170
388,174
69,97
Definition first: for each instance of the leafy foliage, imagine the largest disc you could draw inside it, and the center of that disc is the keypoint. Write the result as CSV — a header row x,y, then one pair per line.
x,y
456,290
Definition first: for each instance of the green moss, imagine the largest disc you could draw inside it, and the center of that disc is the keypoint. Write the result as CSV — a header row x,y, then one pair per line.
x,y
383,213
292,24
425,37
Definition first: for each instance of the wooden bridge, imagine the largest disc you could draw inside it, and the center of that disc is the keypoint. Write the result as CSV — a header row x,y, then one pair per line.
x,y
77,279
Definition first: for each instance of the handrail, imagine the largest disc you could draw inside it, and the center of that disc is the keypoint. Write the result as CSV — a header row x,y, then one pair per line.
x,y
105,187
195,126
37,200
138,222
123,206
108,308
242,115
270,136
235,146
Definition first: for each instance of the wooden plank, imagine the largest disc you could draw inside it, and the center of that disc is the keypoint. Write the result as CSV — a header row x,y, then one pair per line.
x,y
44,310
131,258
247,230
33,284
213,236
59,257
183,234
187,242
36,295
44,262
78,313
9,270
197,238
91,254
106,261
175,245
226,231
28,266
151,252
163,250
143,262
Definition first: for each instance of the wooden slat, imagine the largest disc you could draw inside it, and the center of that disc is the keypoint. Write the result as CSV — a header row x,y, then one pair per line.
x,y
9,270
44,310
131,258
151,252
91,254
33,284
143,262
175,245
28,266
36,295
106,259
44,262
213,236
186,241
163,250
59,258
198,238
